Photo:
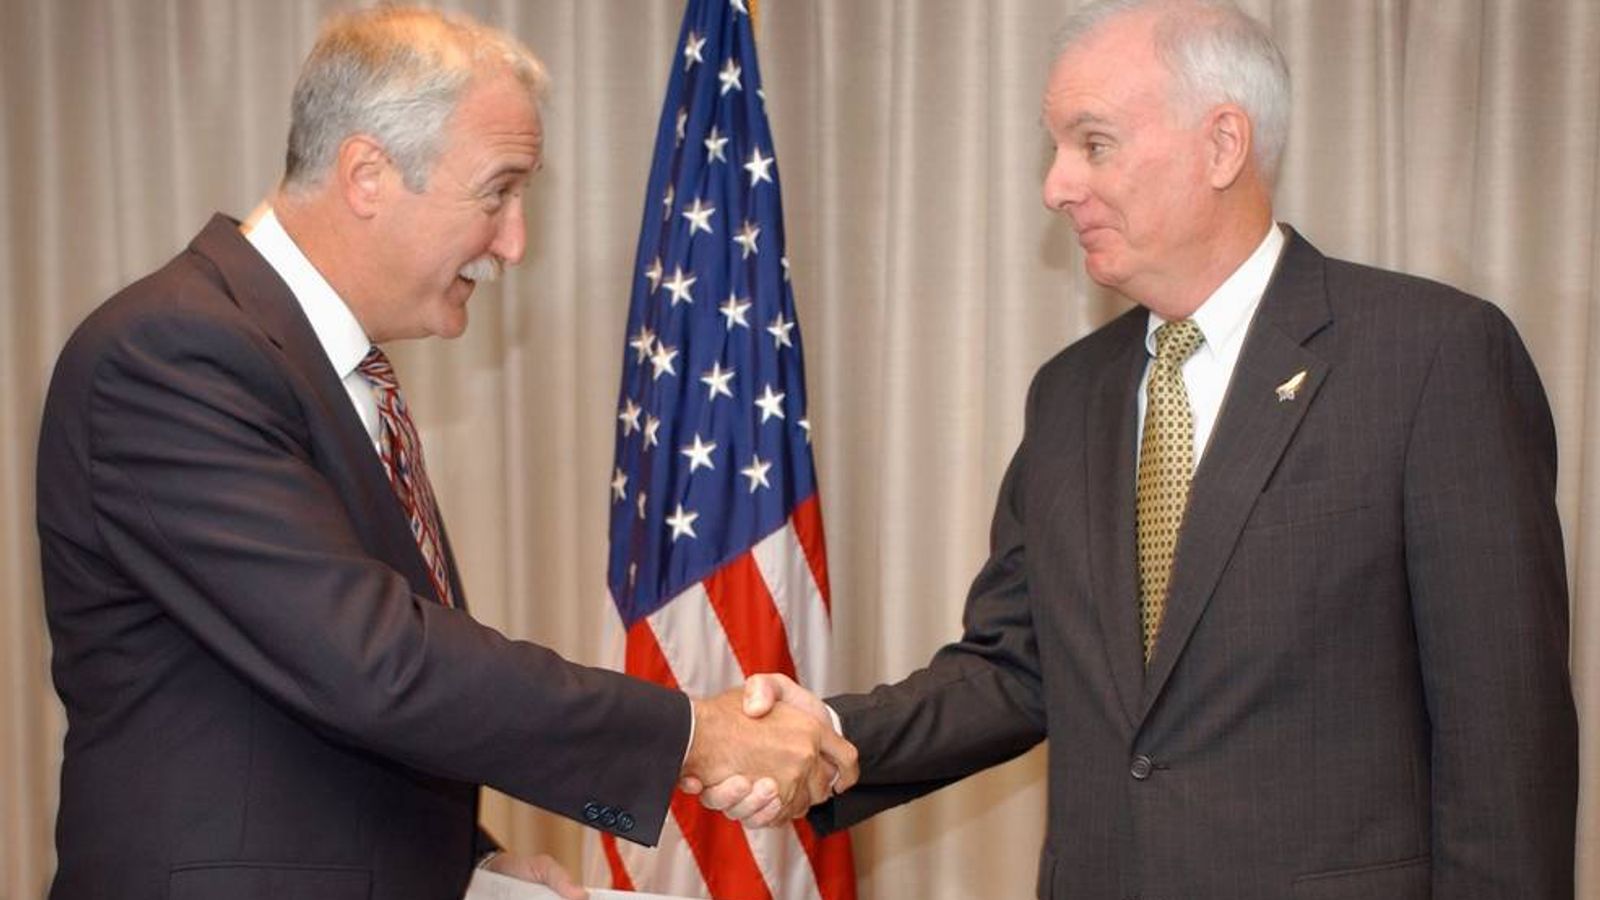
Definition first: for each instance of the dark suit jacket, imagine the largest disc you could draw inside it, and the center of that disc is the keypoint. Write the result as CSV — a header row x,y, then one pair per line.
x,y
263,700
1360,688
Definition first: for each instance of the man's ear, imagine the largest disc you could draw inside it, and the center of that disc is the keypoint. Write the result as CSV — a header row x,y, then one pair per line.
x,y
1230,136
364,173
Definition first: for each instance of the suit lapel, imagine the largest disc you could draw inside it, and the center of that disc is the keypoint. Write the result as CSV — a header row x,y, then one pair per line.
x,y
352,466
1112,431
1252,431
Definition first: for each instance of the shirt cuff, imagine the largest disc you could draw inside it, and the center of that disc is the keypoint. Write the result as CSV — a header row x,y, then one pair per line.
x,y
685,761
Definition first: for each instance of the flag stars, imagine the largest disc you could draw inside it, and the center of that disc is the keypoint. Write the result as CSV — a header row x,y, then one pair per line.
x,y
729,76
715,146
661,361
760,168
629,417
682,523
770,403
757,473
734,310
779,329
746,238
642,344
717,378
693,47
699,454
699,216
683,218
678,285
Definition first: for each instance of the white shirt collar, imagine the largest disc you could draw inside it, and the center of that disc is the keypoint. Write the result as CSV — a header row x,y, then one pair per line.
x,y
343,339
1223,316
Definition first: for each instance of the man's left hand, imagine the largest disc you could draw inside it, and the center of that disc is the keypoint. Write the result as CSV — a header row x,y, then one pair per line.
x,y
541,868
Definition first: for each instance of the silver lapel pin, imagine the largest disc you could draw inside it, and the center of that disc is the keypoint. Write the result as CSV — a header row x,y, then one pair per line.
x,y
1288,389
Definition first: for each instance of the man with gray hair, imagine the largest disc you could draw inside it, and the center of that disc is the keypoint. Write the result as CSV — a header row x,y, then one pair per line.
x,y
1276,568
273,688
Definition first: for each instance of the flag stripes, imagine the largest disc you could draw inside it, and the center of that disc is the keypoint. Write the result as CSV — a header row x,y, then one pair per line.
x,y
750,617
708,634
711,636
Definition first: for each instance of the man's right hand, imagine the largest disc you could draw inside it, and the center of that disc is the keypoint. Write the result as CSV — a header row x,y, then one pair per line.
x,y
760,801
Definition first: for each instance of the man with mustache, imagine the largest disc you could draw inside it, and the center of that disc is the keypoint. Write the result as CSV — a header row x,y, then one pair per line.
x,y
1276,569
272,685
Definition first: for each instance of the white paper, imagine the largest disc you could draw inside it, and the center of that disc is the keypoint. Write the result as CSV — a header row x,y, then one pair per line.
x,y
487,885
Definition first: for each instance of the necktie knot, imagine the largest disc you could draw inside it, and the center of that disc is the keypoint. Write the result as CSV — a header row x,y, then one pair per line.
x,y
376,368
1176,341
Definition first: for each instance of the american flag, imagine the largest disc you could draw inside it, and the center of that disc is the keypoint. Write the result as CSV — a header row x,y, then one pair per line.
x,y
717,566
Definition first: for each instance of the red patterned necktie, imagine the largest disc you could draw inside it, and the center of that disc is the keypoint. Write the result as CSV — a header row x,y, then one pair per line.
x,y
401,451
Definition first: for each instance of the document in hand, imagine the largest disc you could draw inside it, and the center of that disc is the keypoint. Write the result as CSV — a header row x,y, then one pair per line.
x,y
487,885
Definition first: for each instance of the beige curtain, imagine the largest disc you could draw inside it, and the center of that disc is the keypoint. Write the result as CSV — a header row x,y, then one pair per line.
x,y
1454,138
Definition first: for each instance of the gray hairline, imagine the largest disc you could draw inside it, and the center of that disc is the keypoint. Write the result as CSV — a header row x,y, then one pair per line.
x,y
404,98
1216,53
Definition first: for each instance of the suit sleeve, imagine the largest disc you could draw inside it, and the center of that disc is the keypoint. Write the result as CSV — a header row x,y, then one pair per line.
x,y
206,495
1489,596
977,704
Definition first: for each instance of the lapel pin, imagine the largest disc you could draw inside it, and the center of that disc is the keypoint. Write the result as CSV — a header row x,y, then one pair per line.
x,y
1288,389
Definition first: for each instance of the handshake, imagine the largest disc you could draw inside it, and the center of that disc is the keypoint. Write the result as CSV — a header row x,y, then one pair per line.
x,y
766,754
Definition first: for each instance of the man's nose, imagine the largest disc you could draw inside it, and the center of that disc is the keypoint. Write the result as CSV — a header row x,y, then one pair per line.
x,y
511,240
1063,183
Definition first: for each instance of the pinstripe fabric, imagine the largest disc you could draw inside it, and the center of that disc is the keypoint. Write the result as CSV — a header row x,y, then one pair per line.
x,y
1360,687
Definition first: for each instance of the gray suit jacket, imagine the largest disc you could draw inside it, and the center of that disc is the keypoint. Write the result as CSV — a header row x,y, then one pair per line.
x,y
263,699
1360,688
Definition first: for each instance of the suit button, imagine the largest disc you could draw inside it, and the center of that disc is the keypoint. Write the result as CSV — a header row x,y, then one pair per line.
x,y
1141,767
609,818
624,823
592,811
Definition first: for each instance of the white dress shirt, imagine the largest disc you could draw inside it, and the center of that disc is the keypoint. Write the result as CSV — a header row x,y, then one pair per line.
x,y
1223,319
343,339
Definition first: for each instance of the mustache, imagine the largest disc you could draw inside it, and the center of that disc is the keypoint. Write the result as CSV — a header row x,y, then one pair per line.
x,y
485,268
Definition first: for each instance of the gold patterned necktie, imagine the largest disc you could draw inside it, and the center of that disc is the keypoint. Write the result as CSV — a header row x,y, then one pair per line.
x,y
401,451
1166,465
